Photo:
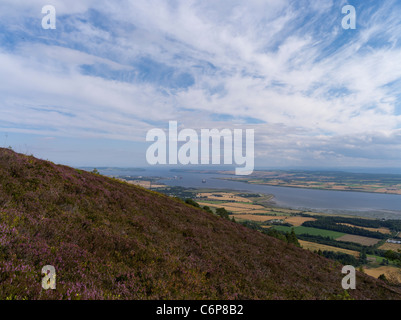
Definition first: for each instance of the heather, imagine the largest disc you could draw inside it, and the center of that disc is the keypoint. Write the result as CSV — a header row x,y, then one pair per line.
x,y
111,240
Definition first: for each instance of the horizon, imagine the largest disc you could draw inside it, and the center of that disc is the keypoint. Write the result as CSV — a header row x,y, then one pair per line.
x,y
85,90
383,171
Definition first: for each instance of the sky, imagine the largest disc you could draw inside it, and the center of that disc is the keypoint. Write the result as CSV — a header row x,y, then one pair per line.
x,y
315,94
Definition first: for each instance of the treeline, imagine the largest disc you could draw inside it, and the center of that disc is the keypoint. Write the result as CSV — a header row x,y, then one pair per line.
x,y
393,256
221,212
343,258
393,225
331,223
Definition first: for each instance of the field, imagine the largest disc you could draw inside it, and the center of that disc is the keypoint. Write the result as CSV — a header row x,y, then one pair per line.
x,y
258,209
365,241
312,246
389,271
340,181
257,218
232,202
390,246
311,231
381,230
236,207
297,220
223,196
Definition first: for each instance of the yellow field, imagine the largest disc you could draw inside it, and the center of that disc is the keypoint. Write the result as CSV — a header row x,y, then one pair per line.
x,y
297,221
389,271
312,246
144,184
223,196
256,217
237,207
358,239
390,246
244,206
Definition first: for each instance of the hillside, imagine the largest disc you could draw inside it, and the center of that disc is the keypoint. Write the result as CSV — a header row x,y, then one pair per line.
x,y
111,240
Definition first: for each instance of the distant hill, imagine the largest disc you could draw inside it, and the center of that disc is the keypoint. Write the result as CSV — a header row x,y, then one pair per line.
x,y
111,240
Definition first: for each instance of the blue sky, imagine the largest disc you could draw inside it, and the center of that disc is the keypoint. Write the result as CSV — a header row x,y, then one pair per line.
x,y
316,95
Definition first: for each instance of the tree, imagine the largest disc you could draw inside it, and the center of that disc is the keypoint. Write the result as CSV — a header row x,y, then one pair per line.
x,y
207,209
192,203
222,212
292,238
362,257
383,277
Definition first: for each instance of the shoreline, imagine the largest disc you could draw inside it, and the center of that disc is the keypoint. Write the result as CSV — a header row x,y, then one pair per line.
x,y
307,188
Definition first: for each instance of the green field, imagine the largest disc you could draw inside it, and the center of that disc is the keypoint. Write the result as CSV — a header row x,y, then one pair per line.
x,y
311,231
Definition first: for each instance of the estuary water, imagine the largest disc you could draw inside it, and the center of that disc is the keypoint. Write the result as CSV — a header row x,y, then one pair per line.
x,y
373,205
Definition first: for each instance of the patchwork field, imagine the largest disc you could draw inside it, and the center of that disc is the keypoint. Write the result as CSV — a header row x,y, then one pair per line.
x,y
259,210
340,181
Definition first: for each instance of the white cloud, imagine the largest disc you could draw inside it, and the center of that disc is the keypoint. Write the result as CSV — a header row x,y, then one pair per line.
x,y
286,63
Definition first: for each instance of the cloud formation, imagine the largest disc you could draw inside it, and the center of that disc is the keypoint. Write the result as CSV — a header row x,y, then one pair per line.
x,y
315,94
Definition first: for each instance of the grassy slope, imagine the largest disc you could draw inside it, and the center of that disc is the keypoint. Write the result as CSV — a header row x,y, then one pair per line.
x,y
111,240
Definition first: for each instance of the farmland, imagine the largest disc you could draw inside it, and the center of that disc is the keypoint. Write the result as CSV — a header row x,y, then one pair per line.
x,y
311,231
335,236
336,181
359,241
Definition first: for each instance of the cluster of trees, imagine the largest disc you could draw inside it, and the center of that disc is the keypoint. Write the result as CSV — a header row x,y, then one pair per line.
x,y
343,258
177,192
394,225
289,237
330,223
221,212
393,256
332,242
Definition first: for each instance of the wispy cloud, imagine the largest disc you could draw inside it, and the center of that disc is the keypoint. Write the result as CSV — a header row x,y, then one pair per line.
x,y
313,92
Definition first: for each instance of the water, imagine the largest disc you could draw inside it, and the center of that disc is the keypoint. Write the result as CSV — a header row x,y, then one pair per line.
x,y
373,205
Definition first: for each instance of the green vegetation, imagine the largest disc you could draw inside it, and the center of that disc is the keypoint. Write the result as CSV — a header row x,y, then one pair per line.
x,y
301,230
343,258
286,236
327,223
